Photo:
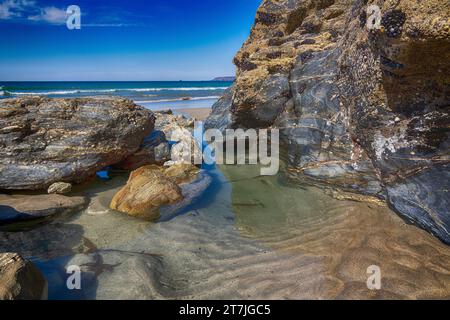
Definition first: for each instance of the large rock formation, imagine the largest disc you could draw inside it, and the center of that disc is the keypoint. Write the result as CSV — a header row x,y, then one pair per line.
x,y
20,279
43,140
399,101
359,108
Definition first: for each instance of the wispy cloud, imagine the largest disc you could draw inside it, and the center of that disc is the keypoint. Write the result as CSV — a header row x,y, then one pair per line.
x,y
29,11
50,15
105,25
10,9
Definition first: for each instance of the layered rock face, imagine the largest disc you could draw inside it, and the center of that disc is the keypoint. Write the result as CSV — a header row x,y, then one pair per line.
x,y
360,108
43,141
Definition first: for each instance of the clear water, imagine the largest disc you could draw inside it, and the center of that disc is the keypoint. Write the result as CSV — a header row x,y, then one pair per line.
x,y
247,237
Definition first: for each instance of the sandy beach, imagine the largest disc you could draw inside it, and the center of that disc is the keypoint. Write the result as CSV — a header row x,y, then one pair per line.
x,y
198,113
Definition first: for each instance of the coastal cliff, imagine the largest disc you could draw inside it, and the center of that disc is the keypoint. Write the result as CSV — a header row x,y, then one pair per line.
x,y
360,109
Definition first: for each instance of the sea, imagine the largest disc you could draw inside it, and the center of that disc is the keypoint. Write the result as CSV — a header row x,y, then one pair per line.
x,y
155,95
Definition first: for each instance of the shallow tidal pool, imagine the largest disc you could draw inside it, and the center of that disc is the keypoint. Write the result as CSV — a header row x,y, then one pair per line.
x,y
246,237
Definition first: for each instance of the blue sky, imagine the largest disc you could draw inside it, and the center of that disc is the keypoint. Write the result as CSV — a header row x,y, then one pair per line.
x,y
122,40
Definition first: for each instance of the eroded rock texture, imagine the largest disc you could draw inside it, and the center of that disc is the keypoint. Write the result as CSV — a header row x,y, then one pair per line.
x,y
151,187
360,109
43,141
20,279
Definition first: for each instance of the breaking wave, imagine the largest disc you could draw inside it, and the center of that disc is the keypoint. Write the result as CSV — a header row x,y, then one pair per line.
x,y
65,92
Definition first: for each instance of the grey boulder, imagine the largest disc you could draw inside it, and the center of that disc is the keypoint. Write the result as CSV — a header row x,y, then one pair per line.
x,y
43,141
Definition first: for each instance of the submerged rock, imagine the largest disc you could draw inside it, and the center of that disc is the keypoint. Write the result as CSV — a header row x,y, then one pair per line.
x,y
115,271
192,190
15,208
360,110
151,189
20,279
182,173
43,140
147,189
60,188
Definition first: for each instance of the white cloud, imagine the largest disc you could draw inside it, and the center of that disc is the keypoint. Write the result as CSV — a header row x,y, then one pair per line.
x,y
14,8
28,9
51,15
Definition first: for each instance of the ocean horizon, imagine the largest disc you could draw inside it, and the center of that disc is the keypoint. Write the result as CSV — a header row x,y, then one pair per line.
x,y
151,94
